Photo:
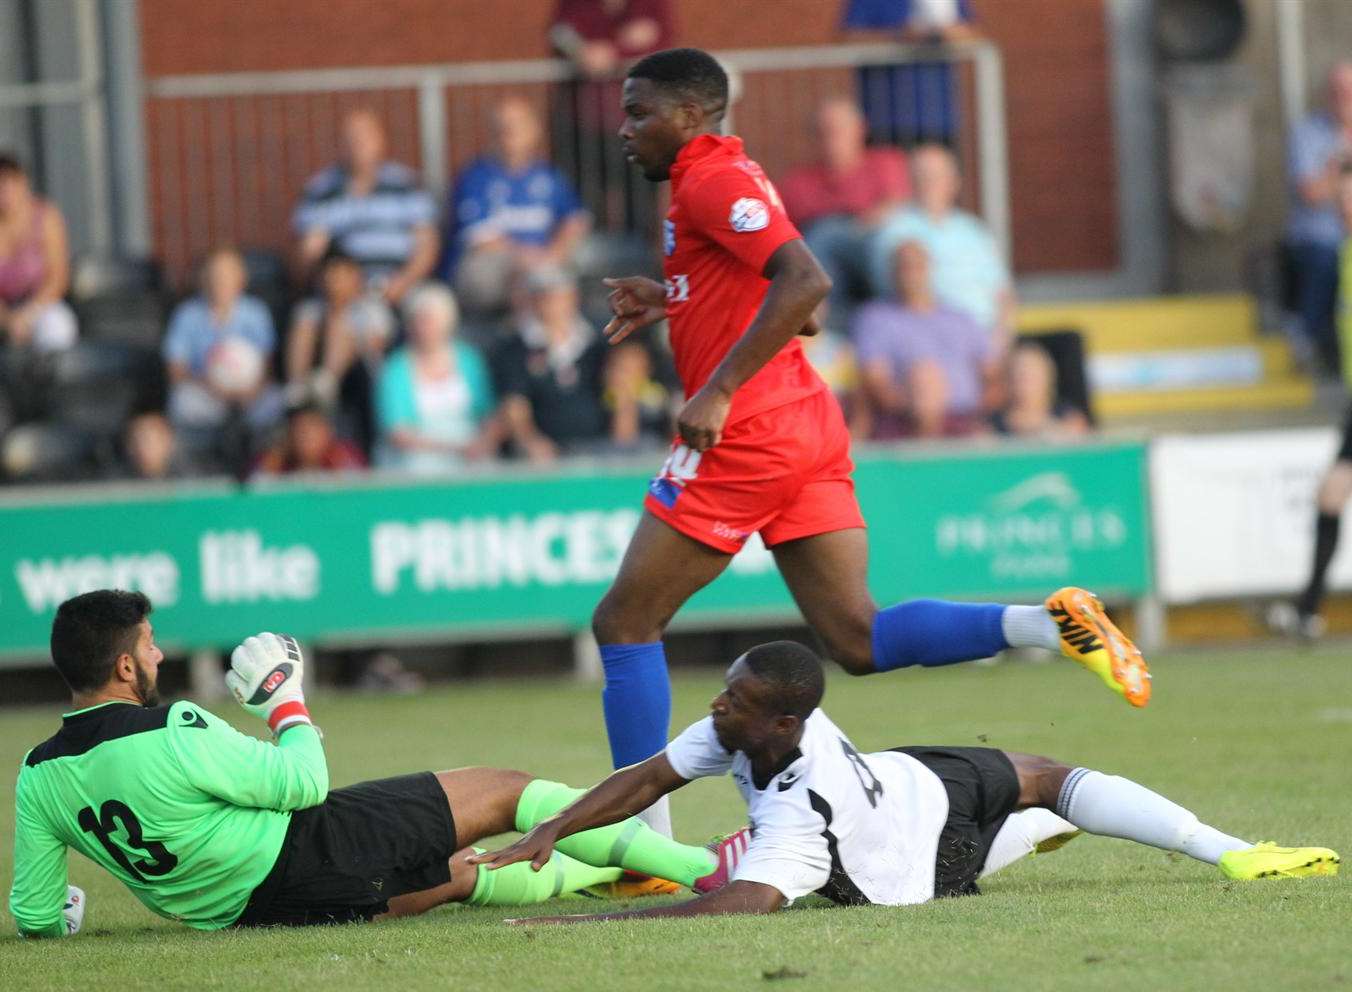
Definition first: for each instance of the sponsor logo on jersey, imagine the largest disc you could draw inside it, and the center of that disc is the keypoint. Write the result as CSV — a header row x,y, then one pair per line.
x,y
749,214
722,530
679,468
669,236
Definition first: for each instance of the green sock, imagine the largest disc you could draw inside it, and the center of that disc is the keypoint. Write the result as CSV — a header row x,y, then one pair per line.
x,y
630,843
518,885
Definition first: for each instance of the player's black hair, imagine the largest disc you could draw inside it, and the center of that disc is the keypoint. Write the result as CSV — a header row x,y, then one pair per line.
x,y
90,632
10,163
686,74
793,672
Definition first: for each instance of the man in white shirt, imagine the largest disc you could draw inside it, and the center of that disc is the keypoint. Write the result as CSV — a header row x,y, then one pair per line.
x,y
890,828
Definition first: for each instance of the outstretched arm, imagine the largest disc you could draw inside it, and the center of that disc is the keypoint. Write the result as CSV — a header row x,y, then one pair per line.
x,y
798,284
626,792
735,897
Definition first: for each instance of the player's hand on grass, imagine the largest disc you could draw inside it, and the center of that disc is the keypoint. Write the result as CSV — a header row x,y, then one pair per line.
x,y
636,302
702,418
537,847
72,913
266,674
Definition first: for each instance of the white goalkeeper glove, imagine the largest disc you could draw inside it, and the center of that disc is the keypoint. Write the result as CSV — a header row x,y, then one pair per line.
x,y
265,676
73,911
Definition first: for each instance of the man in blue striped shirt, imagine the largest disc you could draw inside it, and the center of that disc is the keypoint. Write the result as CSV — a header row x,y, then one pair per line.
x,y
370,209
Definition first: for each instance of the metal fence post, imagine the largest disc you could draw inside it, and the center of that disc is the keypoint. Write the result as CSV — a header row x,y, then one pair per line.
x,y
586,657
992,144
432,133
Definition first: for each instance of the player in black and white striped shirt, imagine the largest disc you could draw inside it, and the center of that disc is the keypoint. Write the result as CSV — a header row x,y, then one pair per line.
x,y
890,828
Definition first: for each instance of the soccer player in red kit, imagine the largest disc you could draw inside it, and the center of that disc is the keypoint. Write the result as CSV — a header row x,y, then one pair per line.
x,y
763,446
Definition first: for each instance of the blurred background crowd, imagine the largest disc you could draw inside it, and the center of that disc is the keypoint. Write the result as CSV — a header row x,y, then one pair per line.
x,y
399,332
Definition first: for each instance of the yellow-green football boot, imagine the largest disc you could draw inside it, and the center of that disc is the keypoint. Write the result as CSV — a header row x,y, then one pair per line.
x,y
1267,860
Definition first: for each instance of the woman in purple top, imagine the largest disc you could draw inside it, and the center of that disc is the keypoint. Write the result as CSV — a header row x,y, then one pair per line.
x,y
925,371
34,265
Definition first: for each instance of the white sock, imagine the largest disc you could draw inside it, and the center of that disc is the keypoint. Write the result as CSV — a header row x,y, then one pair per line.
x,y
1030,627
1021,833
658,816
1117,807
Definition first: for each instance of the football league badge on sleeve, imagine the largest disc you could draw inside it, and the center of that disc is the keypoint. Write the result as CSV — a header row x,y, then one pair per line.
x,y
669,236
749,214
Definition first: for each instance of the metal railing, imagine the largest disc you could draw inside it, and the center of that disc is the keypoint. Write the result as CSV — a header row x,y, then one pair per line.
x,y
86,92
229,152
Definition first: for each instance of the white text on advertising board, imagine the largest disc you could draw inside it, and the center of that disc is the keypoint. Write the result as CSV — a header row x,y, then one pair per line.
x,y
48,582
1032,529
551,549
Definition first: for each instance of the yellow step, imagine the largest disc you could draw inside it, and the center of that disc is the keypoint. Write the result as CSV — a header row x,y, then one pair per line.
x,y
1276,358
1202,321
1286,392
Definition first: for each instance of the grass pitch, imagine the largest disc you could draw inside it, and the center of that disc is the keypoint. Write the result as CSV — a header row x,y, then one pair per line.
x,y
1258,743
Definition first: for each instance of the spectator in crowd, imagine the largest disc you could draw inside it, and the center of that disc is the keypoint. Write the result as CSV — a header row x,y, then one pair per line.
x,y
638,404
336,345
509,212
1318,148
218,351
310,444
434,398
371,209
1031,407
600,37
34,265
839,201
908,104
1300,617
551,375
926,370
152,451
968,271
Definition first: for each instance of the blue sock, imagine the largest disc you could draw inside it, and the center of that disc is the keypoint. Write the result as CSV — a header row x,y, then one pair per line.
x,y
933,632
636,700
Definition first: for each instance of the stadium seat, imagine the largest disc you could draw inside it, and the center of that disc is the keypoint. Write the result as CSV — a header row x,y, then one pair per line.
x,y
266,269
21,381
268,281
98,385
93,276
1171,355
610,254
1066,348
102,360
46,451
133,319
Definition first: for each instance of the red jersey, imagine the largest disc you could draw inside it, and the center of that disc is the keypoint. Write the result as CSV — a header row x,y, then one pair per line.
x,y
725,221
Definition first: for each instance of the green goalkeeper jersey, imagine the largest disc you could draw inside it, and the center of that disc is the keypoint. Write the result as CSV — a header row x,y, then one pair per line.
x,y
188,812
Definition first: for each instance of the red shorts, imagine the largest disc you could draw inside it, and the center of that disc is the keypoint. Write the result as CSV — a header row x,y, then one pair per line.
x,y
784,473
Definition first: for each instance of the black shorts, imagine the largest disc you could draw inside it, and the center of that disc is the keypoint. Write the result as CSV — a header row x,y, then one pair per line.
x,y
1345,447
346,858
983,789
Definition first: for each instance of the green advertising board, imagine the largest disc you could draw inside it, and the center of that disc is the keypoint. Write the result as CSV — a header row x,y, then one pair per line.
x,y
506,555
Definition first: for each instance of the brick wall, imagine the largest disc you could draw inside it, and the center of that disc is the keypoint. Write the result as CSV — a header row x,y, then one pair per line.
x,y
1063,184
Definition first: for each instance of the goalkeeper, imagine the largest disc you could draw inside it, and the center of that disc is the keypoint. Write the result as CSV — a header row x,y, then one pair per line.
x,y
213,828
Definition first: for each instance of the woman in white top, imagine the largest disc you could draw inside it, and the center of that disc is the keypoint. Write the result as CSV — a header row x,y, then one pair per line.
x,y
434,400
